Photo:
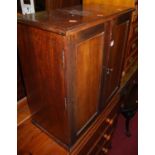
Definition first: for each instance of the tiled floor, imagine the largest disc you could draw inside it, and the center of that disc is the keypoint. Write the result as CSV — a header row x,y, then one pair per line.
x,y
121,144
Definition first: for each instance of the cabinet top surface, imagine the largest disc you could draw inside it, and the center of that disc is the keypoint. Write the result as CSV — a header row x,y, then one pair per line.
x,y
65,20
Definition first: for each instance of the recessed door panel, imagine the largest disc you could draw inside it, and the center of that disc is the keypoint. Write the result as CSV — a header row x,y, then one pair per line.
x,y
89,57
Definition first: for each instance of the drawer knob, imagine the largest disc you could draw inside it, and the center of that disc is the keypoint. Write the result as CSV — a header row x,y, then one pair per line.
x,y
109,121
105,150
107,137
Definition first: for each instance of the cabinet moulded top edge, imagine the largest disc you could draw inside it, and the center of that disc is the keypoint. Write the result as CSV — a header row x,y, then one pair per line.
x,y
69,20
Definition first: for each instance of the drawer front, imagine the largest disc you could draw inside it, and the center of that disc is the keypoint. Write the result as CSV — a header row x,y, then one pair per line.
x,y
104,138
105,149
112,115
107,125
103,145
93,139
98,146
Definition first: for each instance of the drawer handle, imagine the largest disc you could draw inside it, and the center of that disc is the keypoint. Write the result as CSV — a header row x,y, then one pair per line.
x,y
105,150
107,137
109,121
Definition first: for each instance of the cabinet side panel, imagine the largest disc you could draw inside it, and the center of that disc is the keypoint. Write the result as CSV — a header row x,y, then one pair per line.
x,y
42,64
89,55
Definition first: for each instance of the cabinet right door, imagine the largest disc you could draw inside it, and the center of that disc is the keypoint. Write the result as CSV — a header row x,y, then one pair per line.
x,y
116,50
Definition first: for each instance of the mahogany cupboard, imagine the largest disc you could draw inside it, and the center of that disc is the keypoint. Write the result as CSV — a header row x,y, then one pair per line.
x,y
72,62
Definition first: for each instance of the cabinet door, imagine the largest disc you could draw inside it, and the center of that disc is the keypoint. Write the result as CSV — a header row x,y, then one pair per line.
x,y
88,70
116,51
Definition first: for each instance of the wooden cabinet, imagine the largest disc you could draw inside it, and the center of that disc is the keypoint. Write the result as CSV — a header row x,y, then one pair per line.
x,y
65,83
71,61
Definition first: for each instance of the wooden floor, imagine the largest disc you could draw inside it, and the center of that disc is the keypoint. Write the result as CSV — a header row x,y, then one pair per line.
x,y
30,139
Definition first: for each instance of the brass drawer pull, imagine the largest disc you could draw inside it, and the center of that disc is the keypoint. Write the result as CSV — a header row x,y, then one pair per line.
x,y
105,150
107,137
109,121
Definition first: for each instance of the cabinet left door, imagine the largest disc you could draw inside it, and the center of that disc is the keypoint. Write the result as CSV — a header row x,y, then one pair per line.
x,y
41,58
88,49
